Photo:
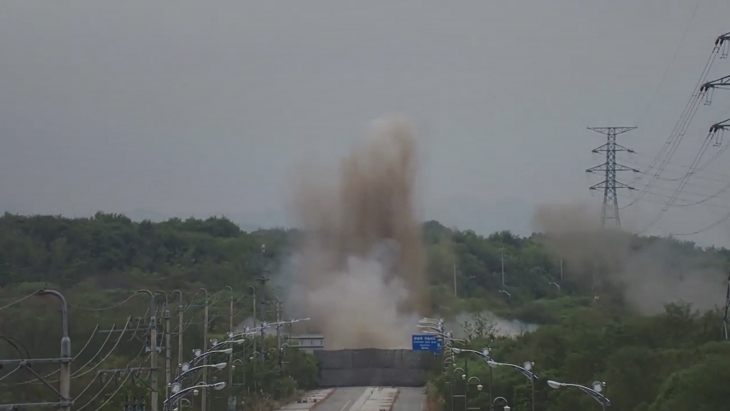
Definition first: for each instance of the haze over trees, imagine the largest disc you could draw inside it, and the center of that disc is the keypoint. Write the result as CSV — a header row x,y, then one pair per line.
x,y
593,324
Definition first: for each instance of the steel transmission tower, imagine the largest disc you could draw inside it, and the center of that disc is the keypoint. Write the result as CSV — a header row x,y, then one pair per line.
x,y
725,334
609,168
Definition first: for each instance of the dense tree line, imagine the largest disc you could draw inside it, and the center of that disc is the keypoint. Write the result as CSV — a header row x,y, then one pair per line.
x,y
650,363
670,362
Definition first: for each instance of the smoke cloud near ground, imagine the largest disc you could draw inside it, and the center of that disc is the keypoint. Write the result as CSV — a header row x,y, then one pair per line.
x,y
650,275
499,327
359,269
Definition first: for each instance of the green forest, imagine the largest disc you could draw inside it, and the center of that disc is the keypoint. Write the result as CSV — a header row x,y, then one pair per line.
x,y
591,324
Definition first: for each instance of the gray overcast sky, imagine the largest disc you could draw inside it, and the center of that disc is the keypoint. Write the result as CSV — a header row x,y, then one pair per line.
x,y
203,107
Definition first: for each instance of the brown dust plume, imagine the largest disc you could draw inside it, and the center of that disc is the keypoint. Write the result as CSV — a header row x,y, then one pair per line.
x,y
359,269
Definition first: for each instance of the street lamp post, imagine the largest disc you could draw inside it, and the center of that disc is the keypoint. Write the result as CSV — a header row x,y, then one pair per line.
x,y
502,401
231,398
283,349
453,385
187,370
199,355
254,356
507,293
182,404
437,327
525,370
595,392
466,392
178,392
65,373
484,354
243,369
448,361
175,388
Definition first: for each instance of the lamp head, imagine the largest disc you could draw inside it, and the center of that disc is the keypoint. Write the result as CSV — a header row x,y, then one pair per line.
x,y
228,350
554,384
196,392
492,364
219,385
175,388
479,387
197,352
528,365
220,366
463,376
598,386
185,366
485,351
214,342
456,350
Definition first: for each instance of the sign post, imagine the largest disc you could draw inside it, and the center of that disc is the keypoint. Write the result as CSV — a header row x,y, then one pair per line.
x,y
426,342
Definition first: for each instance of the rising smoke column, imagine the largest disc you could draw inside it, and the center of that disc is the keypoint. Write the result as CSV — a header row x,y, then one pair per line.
x,y
359,269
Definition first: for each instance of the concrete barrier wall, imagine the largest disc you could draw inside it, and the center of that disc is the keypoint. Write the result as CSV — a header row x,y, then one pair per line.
x,y
372,367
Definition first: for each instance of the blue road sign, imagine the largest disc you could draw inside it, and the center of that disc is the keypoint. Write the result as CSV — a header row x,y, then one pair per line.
x,y
426,342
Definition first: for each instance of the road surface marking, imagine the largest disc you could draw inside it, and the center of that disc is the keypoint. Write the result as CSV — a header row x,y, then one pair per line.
x,y
357,405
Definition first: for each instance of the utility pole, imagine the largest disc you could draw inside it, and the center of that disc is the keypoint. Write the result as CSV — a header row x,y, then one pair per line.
x,y
65,372
609,169
278,334
561,268
278,319
501,258
168,354
64,389
253,295
593,280
204,390
455,293
231,398
180,333
263,279
154,388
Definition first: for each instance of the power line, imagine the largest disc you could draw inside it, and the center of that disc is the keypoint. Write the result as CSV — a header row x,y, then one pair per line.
x,y
718,128
63,392
675,137
18,301
707,228
706,89
147,328
674,57
683,182
681,168
609,168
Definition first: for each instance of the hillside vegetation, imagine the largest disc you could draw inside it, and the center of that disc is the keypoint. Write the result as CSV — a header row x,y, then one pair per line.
x,y
593,323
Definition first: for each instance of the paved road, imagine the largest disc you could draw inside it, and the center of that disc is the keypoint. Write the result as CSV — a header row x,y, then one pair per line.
x,y
342,399
410,399
351,399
